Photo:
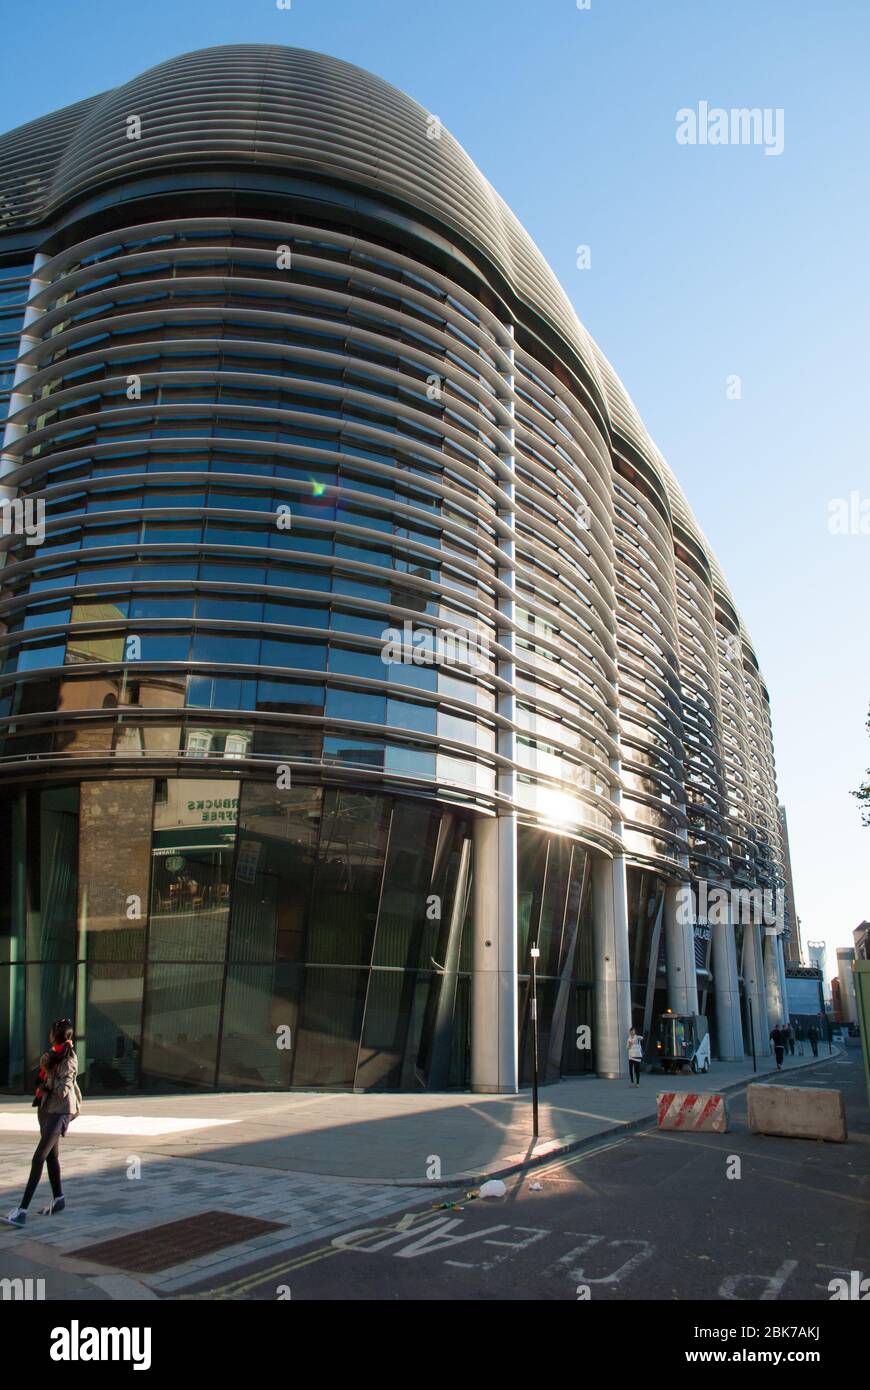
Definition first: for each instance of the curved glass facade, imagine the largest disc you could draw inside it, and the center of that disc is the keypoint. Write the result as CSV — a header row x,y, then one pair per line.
x,y
166,441
351,542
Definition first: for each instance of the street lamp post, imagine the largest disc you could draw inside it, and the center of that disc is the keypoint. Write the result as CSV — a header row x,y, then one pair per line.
x,y
752,1035
533,1013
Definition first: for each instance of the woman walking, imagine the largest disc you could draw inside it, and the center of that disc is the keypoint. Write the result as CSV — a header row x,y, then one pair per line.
x,y
635,1057
59,1100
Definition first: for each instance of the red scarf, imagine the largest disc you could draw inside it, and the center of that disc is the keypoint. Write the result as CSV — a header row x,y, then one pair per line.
x,y
58,1049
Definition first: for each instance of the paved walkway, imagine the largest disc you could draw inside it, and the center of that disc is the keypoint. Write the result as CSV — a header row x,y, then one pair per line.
x,y
316,1163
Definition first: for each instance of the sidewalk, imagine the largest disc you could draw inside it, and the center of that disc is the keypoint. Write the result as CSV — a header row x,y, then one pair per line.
x,y
312,1164
378,1137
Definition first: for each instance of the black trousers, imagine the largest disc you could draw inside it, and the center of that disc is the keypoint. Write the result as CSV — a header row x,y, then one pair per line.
x,y
633,1070
779,1053
52,1128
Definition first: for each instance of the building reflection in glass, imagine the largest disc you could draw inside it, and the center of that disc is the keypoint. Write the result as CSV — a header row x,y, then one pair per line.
x,y
210,931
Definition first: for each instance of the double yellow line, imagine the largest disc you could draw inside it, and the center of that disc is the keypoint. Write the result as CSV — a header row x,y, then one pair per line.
x,y
310,1257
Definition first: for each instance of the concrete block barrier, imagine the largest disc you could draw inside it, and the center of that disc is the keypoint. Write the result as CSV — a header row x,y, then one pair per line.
x,y
797,1112
691,1110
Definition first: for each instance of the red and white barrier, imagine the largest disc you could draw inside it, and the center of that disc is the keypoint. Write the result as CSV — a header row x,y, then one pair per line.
x,y
706,1111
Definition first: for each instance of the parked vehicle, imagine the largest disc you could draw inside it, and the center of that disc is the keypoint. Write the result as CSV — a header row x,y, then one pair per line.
x,y
679,1041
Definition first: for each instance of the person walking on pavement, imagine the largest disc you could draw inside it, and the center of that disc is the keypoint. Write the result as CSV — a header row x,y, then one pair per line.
x,y
634,1045
777,1037
789,1033
799,1038
814,1039
59,1100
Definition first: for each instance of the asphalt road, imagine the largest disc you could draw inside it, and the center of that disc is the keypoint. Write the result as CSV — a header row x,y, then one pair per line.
x,y
649,1216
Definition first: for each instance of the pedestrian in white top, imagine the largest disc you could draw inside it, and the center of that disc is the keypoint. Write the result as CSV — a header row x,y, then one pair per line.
x,y
635,1056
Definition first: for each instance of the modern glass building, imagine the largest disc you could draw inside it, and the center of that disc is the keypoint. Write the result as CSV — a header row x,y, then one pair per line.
x,y
356,638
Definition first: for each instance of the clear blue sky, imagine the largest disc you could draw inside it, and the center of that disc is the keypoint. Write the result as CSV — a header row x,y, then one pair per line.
x,y
706,262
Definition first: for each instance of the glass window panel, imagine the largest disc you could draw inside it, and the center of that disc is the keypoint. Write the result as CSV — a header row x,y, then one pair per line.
x,y
35,658
159,606
182,1018
171,533
330,1026
295,615
174,570
285,652
350,663
402,714
379,592
229,609
453,726
259,1000
404,928
275,695
227,650
45,617
553,905
273,873
355,622
395,1009
160,646
219,692
351,704
194,840
52,874
14,1072
288,743
348,880
241,571
420,677
50,994
546,991
114,858
98,535
354,752
531,866
284,576
416,761
110,1055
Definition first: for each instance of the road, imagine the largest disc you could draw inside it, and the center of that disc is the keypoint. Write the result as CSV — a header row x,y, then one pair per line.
x,y
646,1216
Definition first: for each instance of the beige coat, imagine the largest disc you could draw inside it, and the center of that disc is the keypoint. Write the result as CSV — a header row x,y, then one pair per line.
x,y
62,1095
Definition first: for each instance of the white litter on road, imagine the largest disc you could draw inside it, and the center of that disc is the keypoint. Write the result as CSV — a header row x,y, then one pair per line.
x,y
494,1188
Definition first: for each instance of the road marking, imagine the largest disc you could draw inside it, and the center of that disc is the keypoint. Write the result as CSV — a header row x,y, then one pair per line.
x,y
250,1281
684,1139
820,1191
775,1282
578,1275
568,1162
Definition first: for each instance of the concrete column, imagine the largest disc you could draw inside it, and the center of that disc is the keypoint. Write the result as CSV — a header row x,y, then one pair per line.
x,y
494,1033
753,983
612,972
783,981
680,950
494,1052
848,996
772,981
729,1031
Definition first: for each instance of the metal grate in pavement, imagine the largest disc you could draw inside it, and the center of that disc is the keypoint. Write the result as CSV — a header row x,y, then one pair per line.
x,y
176,1242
